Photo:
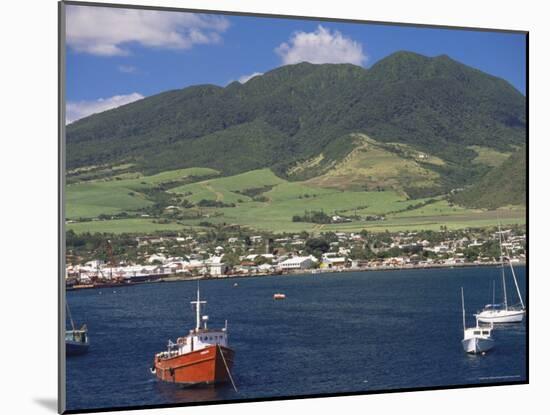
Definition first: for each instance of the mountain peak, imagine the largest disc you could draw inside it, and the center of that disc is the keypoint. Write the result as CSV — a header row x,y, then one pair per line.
x,y
407,66
404,66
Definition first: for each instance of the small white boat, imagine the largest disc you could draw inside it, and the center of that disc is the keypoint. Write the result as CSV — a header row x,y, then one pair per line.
x,y
476,339
279,296
503,313
76,340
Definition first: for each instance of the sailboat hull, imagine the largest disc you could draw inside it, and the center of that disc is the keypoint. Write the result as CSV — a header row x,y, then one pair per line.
x,y
73,348
501,316
477,345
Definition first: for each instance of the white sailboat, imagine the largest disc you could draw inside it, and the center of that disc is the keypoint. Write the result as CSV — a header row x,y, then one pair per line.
x,y
503,313
476,339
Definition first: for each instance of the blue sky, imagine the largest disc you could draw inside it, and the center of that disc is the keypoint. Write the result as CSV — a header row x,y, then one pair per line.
x,y
116,56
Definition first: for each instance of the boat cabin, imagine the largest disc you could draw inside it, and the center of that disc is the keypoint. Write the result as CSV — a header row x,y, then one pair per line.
x,y
493,307
199,338
196,340
483,332
76,336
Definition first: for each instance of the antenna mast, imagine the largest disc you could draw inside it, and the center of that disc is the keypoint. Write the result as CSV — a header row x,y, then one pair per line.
x,y
198,305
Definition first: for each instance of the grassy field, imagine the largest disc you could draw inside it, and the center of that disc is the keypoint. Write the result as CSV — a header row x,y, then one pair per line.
x,y
488,156
132,225
283,200
438,208
225,189
373,164
403,223
264,201
121,193
88,200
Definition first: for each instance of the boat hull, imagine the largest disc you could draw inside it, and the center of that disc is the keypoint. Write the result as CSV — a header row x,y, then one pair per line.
x,y
201,366
477,345
73,348
504,316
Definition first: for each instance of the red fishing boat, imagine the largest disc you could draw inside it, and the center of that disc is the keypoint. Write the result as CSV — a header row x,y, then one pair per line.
x,y
203,356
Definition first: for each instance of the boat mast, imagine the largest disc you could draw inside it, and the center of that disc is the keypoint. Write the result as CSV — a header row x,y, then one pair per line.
x,y
502,267
463,311
515,280
198,311
70,316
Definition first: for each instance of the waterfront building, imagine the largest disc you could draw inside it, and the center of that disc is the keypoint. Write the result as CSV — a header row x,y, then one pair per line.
x,y
298,262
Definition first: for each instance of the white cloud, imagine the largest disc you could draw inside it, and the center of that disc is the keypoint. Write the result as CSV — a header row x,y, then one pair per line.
x,y
80,109
245,78
126,68
106,31
321,46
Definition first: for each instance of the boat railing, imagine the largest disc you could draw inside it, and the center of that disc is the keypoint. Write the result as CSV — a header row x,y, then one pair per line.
x,y
516,307
76,336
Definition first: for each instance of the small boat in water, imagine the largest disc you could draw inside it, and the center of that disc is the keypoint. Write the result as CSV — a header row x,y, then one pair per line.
x,y
201,357
279,296
503,313
76,340
476,339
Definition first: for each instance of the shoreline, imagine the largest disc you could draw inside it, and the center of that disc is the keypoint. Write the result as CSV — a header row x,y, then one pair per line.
x,y
317,271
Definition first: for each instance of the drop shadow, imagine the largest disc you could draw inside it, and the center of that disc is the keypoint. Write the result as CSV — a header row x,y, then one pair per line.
x,y
48,403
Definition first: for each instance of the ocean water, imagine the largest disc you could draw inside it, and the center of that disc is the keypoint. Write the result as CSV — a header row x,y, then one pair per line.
x,y
334,333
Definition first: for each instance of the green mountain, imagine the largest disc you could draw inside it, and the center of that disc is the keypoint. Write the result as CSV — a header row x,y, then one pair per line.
x,y
302,120
504,185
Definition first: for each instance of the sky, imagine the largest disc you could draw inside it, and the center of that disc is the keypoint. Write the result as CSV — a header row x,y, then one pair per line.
x,y
117,56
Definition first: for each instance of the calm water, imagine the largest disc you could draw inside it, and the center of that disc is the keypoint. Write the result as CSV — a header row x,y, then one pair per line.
x,y
343,332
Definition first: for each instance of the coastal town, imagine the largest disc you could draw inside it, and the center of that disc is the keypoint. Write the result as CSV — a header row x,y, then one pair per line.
x,y
218,254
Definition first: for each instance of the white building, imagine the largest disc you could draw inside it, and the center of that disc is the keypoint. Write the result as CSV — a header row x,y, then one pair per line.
x,y
94,264
156,257
330,260
266,268
215,266
298,262
252,257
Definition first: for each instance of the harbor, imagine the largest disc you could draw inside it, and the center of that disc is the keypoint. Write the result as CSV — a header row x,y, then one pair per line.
x,y
113,262
177,278
294,347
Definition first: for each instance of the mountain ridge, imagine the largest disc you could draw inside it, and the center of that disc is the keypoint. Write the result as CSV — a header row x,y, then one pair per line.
x,y
296,112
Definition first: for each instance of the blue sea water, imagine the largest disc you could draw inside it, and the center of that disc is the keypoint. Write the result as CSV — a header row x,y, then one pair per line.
x,y
334,333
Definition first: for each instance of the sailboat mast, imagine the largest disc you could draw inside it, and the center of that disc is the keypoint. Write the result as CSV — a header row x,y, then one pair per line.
x,y
515,279
502,267
463,311
493,292
70,316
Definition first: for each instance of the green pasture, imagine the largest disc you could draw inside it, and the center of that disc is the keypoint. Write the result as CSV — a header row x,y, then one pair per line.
x,y
93,198
280,202
489,156
224,189
132,225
